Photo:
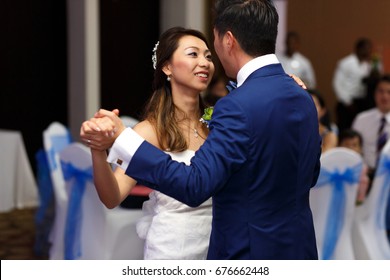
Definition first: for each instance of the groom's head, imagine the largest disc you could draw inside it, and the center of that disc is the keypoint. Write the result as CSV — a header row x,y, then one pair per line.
x,y
253,23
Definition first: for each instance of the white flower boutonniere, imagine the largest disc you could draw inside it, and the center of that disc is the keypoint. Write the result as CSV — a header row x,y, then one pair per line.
x,y
206,118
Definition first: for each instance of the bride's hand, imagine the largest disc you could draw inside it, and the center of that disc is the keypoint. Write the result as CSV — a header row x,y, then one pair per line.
x,y
298,81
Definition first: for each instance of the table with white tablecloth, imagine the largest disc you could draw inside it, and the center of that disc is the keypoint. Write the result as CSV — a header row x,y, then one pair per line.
x,y
18,188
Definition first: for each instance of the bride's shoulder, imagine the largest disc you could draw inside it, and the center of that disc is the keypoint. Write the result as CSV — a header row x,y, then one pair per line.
x,y
147,131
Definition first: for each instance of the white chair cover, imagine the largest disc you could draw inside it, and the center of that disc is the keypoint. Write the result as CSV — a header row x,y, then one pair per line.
x,y
92,230
55,138
332,201
369,230
129,121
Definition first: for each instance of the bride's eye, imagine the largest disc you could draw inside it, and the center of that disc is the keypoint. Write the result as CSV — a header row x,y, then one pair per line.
x,y
194,54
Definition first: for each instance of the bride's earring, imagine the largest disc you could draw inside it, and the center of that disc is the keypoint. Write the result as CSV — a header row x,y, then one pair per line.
x,y
169,78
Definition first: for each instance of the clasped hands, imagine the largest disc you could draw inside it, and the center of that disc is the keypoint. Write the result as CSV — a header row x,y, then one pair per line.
x,y
100,131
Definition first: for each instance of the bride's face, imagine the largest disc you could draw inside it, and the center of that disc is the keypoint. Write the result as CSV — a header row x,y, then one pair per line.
x,y
191,67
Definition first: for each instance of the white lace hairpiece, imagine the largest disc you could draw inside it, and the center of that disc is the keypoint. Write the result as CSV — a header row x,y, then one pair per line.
x,y
154,56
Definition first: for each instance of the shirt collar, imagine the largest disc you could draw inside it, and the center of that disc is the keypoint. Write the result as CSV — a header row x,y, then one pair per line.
x,y
254,64
380,115
387,117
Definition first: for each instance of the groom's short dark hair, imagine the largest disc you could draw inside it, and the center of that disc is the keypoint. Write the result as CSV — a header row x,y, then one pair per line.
x,y
254,23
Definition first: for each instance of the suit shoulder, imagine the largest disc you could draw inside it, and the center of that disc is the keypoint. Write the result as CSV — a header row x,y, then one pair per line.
x,y
366,114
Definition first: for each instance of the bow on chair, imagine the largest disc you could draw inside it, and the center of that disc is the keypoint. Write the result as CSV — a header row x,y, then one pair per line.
x,y
383,169
335,217
45,185
74,215
58,143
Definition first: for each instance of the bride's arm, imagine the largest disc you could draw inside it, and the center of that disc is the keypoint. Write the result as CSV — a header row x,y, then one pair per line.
x,y
114,186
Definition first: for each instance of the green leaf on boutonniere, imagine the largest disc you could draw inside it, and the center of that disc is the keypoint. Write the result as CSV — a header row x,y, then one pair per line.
x,y
206,118
208,112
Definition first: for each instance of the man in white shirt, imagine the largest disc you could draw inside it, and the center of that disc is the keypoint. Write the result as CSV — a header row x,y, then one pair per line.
x,y
368,122
294,62
348,82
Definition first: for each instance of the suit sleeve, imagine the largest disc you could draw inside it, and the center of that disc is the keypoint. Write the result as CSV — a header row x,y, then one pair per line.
x,y
317,169
222,154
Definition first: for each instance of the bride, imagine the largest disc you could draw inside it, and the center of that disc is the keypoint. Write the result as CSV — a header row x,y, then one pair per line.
x,y
183,69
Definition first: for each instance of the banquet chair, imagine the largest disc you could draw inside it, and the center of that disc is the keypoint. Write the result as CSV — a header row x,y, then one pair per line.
x,y
369,229
332,201
92,231
129,121
55,138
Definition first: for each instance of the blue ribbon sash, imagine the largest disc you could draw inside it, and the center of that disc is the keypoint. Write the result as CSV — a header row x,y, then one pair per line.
x,y
383,169
335,217
45,185
74,215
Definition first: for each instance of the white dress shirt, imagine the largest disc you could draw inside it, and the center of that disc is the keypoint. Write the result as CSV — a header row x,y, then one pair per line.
x,y
367,123
124,148
254,64
347,79
300,66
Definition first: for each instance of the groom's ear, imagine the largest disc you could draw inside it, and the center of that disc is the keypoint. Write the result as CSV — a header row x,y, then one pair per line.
x,y
231,42
229,39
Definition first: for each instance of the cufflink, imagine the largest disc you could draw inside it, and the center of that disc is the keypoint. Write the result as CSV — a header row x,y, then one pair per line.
x,y
119,161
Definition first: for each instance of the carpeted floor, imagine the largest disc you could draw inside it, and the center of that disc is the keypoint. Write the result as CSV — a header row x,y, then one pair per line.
x,y
18,236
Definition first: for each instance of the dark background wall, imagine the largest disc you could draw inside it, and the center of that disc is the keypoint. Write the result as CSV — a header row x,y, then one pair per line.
x,y
128,32
33,62
33,70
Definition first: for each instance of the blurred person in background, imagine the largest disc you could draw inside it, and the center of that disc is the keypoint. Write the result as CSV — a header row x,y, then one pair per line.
x,y
294,62
352,139
328,136
350,81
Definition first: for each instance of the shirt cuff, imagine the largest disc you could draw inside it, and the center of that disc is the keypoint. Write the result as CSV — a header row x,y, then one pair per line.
x,y
124,148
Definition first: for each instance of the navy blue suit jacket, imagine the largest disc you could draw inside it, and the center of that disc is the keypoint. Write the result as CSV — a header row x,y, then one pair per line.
x,y
258,163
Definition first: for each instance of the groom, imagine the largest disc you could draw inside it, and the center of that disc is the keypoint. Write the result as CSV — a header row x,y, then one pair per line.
x,y
261,156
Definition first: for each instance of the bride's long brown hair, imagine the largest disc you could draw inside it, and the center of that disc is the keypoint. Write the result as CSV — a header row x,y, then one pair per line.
x,y
160,110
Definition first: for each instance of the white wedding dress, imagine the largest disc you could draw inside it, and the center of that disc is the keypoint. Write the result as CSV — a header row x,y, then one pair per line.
x,y
173,230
